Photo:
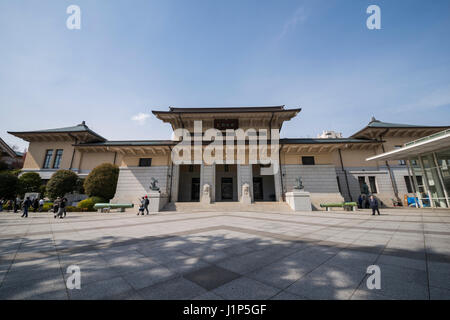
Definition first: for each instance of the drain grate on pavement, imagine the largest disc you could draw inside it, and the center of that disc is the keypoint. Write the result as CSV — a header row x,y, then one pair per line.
x,y
211,277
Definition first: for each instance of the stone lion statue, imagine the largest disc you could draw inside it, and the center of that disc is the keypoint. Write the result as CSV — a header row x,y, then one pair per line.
x,y
245,189
206,189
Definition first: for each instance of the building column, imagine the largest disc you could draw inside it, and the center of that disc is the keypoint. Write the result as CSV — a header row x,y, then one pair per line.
x,y
175,182
278,186
208,176
413,182
244,175
441,179
425,180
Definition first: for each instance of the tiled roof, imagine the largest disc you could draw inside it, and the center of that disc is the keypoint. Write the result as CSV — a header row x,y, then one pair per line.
x,y
82,127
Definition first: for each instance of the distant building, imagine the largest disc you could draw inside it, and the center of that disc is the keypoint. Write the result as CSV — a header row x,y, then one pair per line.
x,y
9,157
330,135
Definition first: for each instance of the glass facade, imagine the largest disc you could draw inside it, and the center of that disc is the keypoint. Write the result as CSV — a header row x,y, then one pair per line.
x,y
431,176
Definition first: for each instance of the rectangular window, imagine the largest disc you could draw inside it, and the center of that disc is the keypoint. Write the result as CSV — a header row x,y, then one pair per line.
x,y
408,184
373,185
47,159
58,157
145,162
361,181
308,161
420,184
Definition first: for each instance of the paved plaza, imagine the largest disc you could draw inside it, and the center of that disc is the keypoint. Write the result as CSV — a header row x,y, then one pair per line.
x,y
227,255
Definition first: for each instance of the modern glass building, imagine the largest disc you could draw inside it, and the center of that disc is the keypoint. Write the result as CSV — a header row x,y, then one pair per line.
x,y
428,162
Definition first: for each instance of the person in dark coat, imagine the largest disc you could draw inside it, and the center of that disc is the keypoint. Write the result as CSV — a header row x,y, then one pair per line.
x,y
16,204
64,202
62,208
146,203
35,204
360,201
26,206
373,202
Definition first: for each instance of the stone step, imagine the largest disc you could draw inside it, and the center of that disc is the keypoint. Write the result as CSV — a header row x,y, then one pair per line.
x,y
228,207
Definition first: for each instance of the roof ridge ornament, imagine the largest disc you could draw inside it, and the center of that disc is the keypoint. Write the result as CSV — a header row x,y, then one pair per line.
x,y
373,119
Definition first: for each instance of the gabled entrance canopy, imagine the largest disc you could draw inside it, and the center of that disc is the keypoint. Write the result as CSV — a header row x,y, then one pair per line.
x,y
248,117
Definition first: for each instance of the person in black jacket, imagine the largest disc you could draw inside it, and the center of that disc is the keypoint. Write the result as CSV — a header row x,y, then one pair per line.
x,y
26,205
146,203
62,208
373,202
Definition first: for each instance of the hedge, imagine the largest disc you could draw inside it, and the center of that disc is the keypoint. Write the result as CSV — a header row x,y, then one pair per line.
x,y
88,204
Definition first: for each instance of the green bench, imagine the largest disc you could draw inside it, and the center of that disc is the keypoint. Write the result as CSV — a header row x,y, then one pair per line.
x,y
348,206
106,207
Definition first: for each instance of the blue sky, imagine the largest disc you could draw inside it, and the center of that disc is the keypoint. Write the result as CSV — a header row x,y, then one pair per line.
x,y
134,56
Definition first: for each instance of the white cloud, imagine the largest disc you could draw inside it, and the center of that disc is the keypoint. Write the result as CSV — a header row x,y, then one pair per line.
x,y
299,16
140,118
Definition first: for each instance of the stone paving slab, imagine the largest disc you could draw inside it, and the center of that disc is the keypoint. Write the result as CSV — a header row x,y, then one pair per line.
x,y
227,255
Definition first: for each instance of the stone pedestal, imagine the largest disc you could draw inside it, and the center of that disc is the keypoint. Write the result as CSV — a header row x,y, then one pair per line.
x,y
206,194
246,198
299,200
157,201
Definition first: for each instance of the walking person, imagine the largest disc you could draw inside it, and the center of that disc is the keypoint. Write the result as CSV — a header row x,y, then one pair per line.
x,y
56,206
26,206
41,204
62,208
146,203
16,204
35,204
373,202
1,204
64,201
141,207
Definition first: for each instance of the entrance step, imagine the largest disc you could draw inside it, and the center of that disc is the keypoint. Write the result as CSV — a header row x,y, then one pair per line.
x,y
227,207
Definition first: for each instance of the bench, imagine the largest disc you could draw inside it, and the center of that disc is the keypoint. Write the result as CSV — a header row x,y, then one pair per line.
x,y
106,207
348,206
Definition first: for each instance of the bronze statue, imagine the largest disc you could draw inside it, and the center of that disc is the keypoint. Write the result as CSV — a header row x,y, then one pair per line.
x,y
153,184
298,184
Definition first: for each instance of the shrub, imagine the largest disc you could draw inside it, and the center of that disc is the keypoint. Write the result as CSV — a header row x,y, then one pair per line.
x,y
30,182
9,185
61,182
88,204
47,206
43,190
102,181
72,209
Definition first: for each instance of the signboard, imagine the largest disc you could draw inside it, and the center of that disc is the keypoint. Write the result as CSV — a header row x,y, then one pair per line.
x,y
223,124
